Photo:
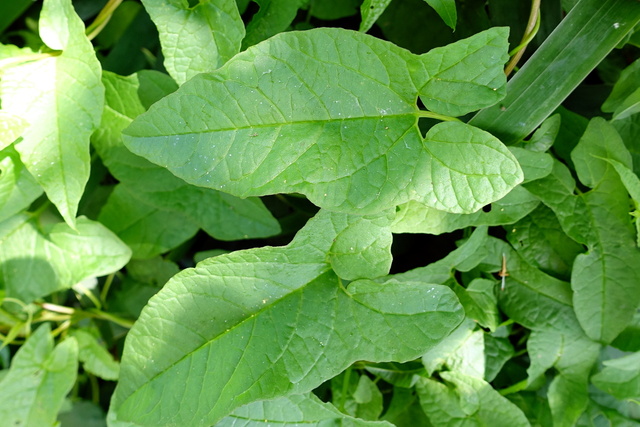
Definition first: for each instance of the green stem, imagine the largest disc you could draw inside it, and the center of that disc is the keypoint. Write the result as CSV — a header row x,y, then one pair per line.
x,y
345,388
102,19
514,388
105,289
98,314
529,33
432,115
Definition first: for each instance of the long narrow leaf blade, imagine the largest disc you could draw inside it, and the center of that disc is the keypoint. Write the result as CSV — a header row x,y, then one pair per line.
x,y
588,33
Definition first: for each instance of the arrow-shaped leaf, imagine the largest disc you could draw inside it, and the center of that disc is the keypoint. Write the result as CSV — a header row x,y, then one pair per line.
x,y
262,323
332,114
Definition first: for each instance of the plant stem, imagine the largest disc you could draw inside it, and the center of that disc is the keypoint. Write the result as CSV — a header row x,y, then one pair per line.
x,y
529,33
102,19
432,115
98,314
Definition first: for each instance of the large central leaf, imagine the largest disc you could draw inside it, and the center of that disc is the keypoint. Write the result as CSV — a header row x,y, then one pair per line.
x,y
333,114
267,322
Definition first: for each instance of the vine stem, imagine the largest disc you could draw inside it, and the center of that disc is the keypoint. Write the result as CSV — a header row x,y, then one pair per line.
x,y
529,33
432,115
102,19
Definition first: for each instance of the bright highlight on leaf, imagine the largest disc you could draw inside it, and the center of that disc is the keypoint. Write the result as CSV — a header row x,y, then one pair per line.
x,y
332,114
47,92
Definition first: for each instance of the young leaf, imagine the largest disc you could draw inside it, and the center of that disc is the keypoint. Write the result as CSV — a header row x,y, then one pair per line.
x,y
292,411
34,264
462,351
356,395
497,352
196,39
447,11
415,217
624,88
17,187
466,400
62,97
371,11
362,250
274,120
94,357
539,238
272,18
265,323
40,377
632,184
620,377
11,127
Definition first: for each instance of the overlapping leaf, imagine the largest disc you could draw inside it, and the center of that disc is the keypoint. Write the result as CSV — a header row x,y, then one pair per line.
x,y
272,18
40,377
466,400
34,263
293,410
61,96
17,187
302,113
196,39
543,304
151,209
268,322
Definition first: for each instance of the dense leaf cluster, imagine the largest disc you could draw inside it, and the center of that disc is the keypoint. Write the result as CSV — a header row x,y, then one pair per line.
x,y
204,211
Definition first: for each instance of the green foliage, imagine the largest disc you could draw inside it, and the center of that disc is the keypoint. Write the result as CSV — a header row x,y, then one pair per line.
x,y
247,213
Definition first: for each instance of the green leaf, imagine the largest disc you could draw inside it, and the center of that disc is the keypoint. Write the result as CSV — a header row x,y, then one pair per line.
x,y
553,72
371,11
94,357
293,410
356,395
404,409
462,351
539,238
151,209
544,137
543,304
498,351
196,39
61,96
630,106
35,263
398,374
273,17
17,187
466,400
268,322
605,282
447,11
11,127
467,75
620,377
415,217
40,377
480,302
275,127
362,250
626,85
